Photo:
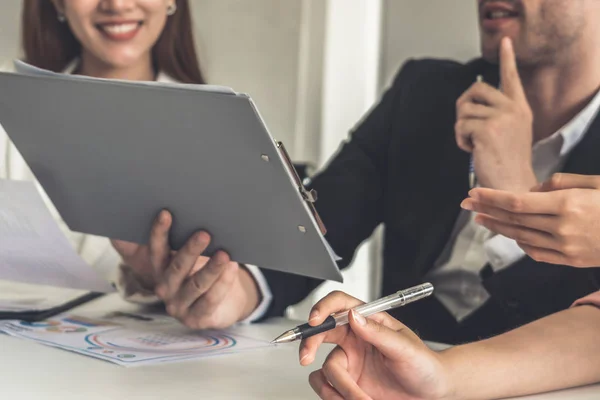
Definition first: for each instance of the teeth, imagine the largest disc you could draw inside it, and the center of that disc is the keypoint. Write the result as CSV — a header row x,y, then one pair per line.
x,y
499,14
120,28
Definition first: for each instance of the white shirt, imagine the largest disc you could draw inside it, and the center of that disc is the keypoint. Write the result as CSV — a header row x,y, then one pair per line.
x,y
456,273
96,251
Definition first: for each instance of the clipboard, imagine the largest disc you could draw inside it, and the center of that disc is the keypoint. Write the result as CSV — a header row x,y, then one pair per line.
x,y
112,154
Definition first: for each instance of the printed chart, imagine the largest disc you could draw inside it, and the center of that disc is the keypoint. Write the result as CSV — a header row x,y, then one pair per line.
x,y
137,344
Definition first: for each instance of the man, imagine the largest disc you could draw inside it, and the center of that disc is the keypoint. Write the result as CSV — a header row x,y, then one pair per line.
x,y
402,167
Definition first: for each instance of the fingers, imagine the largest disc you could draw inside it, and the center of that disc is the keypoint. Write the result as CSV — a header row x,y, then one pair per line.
x,y
472,110
483,94
545,255
521,234
389,342
335,370
333,302
523,203
509,74
159,242
208,287
465,130
540,222
181,265
562,181
322,388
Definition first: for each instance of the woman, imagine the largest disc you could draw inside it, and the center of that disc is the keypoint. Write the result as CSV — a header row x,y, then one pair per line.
x,y
135,40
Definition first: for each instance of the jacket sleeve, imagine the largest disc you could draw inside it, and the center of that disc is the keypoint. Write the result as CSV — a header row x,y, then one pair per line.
x,y
350,190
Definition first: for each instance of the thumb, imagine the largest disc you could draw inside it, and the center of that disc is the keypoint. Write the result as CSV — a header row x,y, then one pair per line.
x,y
125,249
562,181
509,74
389,342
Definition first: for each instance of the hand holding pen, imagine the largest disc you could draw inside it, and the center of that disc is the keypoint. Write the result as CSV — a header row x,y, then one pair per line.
x,y
398,299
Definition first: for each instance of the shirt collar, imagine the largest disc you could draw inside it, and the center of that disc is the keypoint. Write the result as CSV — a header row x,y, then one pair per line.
x,y
161,77
574,130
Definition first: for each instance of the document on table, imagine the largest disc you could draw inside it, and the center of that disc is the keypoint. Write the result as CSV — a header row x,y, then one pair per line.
x,y
32,247
129,339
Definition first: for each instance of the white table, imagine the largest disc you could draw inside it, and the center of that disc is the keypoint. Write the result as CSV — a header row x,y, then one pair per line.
x,y
33,371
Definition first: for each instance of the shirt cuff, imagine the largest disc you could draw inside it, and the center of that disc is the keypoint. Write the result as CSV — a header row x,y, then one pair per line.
x,y
265,292
132,290
502,252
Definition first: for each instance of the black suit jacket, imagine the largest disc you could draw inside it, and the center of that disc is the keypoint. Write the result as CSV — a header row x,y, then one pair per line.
x,y
402,167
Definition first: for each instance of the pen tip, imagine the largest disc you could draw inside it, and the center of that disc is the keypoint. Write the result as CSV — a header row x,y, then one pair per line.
x,y
286,337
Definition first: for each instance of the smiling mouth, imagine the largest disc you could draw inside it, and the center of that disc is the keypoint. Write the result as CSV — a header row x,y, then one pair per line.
x,y
120,31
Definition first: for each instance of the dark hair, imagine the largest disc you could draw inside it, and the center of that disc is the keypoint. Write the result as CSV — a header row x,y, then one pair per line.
x,y
50,44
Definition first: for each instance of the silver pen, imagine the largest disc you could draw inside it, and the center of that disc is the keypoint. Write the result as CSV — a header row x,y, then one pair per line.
x,y
398,299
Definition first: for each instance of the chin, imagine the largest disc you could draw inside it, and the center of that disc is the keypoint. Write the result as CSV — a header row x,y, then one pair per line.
x,y
121,61
490,51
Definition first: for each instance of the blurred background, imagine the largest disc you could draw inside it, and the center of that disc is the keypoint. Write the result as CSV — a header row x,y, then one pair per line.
x,y
313,67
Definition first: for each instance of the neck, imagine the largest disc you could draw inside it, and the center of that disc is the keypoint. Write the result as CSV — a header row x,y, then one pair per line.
x,y
140,71
557,93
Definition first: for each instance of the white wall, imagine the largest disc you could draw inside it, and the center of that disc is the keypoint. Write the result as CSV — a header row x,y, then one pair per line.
x,y
427,28
253,46
10,12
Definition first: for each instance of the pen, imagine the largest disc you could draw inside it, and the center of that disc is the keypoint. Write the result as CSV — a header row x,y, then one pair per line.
x,y
472,176
398,299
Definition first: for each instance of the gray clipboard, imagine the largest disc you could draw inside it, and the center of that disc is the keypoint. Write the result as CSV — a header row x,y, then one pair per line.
x,y
112,154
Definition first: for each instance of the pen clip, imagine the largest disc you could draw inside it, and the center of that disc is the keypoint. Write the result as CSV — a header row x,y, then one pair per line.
x,y
309,196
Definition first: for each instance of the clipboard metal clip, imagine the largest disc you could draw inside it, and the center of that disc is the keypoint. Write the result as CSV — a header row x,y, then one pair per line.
x,y
309,196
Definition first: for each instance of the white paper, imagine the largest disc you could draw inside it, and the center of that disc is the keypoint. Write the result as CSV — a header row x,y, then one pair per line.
x,y
32,247
27,69
130,339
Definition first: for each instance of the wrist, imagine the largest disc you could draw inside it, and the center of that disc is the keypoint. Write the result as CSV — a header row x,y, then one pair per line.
x,y
454,364
525,181
251,290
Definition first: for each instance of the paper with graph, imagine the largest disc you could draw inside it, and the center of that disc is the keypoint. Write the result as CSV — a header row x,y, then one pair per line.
x,y
130,339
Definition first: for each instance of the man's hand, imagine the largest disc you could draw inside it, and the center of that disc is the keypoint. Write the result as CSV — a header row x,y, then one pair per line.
x,y
376,358
496,126
201,292
560,224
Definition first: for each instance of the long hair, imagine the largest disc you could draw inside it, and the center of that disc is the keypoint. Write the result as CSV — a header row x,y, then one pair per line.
x,y
50,44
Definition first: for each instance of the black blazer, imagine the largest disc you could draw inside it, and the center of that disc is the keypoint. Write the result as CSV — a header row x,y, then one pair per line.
x,y
402,167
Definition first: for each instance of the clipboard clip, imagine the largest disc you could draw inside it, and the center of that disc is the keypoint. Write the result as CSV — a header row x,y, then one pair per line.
x,y
309,196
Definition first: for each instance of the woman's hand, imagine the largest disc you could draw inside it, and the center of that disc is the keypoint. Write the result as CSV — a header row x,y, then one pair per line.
x,y
376,358
558,223
201,292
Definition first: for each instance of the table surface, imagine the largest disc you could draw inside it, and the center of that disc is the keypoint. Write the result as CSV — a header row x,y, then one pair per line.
x,y
32,371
